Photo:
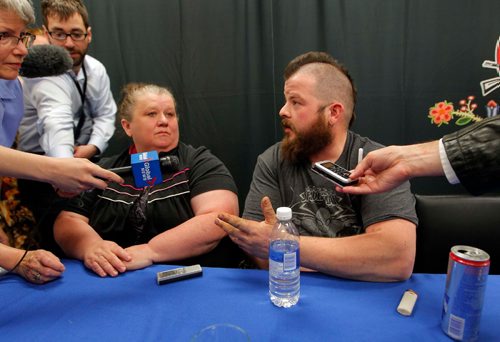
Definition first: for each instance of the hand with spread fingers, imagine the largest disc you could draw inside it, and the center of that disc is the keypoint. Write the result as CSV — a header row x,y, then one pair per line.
x,y
39,266
250,236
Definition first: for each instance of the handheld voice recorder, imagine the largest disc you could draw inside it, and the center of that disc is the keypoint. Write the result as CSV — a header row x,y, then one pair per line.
x,y
180,273
333,172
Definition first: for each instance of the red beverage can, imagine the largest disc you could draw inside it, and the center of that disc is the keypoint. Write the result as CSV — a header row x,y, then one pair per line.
x,y
464,293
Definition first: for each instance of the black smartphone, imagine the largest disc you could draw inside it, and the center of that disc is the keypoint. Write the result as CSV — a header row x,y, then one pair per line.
x,y
180,273
334,173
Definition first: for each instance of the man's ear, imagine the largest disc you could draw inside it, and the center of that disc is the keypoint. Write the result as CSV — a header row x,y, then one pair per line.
x,y
46,32
89,35
335,113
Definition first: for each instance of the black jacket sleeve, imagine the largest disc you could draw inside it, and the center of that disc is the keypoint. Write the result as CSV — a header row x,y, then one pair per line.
x,y
474,154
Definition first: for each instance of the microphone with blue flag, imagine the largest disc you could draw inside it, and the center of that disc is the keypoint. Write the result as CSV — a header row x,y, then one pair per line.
x,y
146,168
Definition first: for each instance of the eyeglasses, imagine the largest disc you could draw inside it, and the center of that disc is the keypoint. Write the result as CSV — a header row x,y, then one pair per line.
x,y
7,39
62,36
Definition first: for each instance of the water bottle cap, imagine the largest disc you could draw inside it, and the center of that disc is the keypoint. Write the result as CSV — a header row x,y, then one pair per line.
x,y
284,213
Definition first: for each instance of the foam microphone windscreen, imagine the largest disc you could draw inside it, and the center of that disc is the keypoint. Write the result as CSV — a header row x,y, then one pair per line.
x,y
45,60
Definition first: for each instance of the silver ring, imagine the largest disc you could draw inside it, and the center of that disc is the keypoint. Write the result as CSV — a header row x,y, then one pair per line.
x,y
36,276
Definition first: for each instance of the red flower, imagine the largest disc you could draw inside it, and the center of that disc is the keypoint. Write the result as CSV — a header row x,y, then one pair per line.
x,y
492,103
441,113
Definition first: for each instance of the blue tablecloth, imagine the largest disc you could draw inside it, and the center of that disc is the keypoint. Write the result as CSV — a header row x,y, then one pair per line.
x,y
132,307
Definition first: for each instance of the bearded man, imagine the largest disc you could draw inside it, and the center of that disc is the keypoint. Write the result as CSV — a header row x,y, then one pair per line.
x,y
66,116
370,238
72,115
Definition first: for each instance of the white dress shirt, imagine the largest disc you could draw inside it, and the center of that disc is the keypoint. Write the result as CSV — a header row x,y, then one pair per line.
x,y
51,108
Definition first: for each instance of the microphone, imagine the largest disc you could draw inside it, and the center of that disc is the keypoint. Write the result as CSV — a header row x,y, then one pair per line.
x,y
168,163
45,60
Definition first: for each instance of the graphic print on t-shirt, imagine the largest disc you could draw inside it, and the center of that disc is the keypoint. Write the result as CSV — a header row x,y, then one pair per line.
x,y
320,211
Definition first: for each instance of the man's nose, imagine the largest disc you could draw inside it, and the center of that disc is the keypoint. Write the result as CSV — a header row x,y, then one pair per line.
x,y
69,43
284,111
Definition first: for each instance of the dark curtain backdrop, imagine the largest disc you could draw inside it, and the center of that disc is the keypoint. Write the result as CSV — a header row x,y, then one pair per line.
x,y
224,59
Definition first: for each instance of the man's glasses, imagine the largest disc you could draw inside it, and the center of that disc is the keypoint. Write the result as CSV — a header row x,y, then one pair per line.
x,y
7,39
61,35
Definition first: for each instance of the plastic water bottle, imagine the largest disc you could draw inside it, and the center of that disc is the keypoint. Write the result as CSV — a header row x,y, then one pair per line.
x,y
284,261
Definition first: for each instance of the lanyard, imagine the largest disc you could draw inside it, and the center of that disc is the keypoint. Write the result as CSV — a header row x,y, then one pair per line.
x,y
82,93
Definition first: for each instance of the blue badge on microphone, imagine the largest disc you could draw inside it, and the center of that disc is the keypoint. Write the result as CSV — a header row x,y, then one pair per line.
x,y
146,168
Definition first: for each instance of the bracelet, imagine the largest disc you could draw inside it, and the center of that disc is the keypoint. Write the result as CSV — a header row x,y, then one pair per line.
x,y
19,262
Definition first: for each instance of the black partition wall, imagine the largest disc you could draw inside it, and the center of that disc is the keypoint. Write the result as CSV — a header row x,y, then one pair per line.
x,y
224,61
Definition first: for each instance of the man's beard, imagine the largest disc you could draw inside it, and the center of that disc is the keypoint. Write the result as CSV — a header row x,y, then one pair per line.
x,y
298,150
79,61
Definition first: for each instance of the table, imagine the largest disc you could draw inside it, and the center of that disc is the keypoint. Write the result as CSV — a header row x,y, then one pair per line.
x,y
132,307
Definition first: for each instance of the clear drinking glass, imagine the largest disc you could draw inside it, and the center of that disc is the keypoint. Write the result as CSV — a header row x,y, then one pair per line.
x,y
224,332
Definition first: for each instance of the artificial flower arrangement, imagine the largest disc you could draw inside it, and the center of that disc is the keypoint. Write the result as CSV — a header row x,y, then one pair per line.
x,y
443,112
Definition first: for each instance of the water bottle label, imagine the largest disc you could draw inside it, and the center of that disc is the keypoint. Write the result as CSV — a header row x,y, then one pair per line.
x,y
275,255
289,261
283,261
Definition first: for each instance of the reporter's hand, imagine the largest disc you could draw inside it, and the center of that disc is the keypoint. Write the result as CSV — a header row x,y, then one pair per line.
x,y
106,258
381,170
40,266
74,175
250,236
141,257
388,167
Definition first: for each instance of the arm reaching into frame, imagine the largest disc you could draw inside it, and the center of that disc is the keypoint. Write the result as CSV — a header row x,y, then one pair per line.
x,y
384,169
468,156
67,174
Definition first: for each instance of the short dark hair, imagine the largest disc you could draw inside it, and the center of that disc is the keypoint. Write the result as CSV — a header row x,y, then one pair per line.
x,y
314,57
64,9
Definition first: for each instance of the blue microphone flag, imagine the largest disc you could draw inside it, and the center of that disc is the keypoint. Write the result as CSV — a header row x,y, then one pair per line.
x,y
146,168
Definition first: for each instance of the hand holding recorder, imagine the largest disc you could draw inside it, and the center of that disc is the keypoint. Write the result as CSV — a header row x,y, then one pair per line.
x,y
334,173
